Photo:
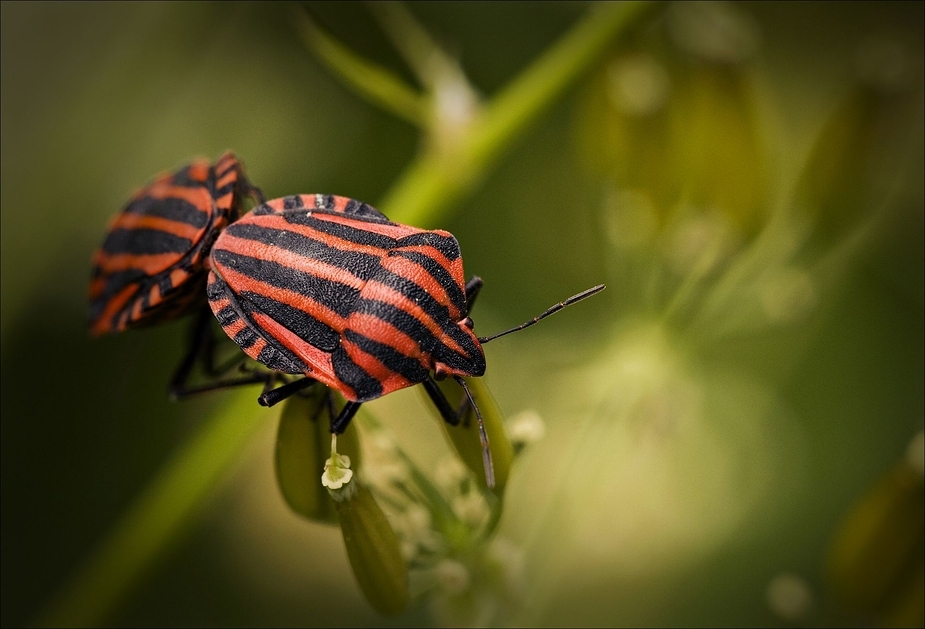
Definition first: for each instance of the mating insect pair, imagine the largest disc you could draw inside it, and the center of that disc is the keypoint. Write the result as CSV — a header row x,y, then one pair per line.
x,y
320,286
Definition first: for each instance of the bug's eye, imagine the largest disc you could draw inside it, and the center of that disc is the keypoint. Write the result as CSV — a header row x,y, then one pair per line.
x,y
467,322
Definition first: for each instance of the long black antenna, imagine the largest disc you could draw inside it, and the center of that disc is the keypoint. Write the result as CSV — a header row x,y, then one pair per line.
x,y
483,437
559,306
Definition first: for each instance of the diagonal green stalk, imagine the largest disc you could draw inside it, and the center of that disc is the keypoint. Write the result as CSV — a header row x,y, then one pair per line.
x,y
169,505
411,40
373,82
435,180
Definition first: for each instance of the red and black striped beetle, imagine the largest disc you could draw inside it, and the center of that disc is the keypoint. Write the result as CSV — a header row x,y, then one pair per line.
x,y
328,287
151,266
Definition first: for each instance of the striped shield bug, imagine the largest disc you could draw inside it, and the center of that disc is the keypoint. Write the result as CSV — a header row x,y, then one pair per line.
x,y
329,288
151,266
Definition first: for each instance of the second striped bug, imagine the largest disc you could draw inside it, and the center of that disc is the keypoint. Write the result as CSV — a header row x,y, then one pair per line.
x,y
152,265
327,287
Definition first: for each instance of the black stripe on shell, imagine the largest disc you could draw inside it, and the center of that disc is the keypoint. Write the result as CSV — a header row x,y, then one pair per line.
x,y
436,271
246,338
358,208
226,316
272,355
406,366
333,295
362,265
171,208
293,202
447,245
356,235
364,386
300,323
401,320
183,179
144,241
415,293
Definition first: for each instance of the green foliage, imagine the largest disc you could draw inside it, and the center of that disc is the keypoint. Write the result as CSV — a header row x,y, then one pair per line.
x,y
303,444
465,436
374,552
877,558
747,180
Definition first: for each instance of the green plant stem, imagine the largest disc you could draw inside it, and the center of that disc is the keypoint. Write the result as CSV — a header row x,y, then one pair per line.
x,y
411,39
373,82
434,180
163,510
170,503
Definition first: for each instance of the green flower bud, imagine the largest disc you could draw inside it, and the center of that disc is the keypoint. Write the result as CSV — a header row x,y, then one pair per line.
x,y
374,552
671,131
302,447
877,560
465,436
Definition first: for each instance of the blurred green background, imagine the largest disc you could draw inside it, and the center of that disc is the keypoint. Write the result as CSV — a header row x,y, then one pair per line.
x,y
723,422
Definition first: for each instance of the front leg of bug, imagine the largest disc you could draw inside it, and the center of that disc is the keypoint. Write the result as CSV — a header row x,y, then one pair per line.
x,y
277,395
447,412
339,425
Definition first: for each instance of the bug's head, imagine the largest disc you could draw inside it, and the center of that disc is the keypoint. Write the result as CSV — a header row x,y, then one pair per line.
x,y
459,352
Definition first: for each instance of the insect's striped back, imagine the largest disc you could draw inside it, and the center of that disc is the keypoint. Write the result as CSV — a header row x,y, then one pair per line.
x,y
151,264
341,294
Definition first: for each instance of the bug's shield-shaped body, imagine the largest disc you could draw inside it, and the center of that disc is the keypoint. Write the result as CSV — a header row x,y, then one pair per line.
x,y
151,266
328,287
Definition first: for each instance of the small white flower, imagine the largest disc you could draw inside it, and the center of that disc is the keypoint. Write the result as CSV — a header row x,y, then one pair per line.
x,y
452,576
450,473
413,520
720,32
413,528
638,85
790,597
526,427
789,295
382,441
471,508
337,472
381,476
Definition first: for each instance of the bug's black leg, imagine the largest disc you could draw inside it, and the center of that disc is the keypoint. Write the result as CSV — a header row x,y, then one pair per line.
x,y
209,352
255,193
185,392
473,286
340,424
447,412
452,417
202,346
197,338
277,395
213,371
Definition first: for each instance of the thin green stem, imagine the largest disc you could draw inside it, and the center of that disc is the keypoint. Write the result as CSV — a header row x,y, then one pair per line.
x,y
159,514
371,81
434,180
411,39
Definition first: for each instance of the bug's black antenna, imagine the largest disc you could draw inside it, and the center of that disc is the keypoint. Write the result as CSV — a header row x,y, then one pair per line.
x,y
483,437
559,306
